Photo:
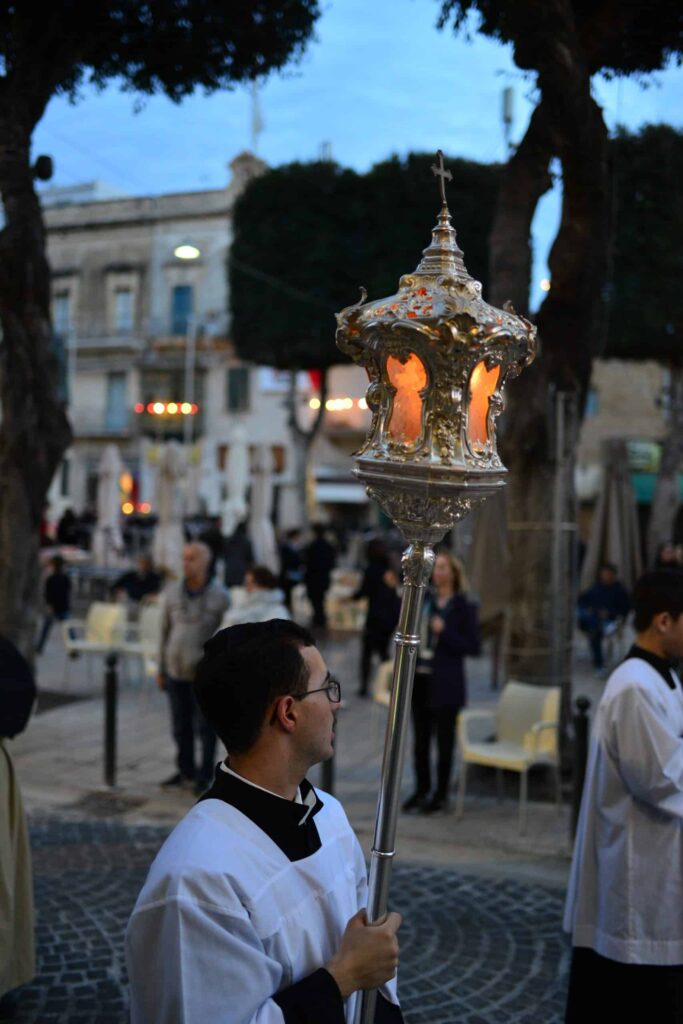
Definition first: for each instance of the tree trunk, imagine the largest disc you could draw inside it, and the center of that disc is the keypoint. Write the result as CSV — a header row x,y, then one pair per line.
x,y
541,619
665,500
302,441
34,432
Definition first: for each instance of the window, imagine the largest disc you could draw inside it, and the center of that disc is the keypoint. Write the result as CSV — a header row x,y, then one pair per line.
x,y
61,313
181,308
123,310
237,390
592,402
116,413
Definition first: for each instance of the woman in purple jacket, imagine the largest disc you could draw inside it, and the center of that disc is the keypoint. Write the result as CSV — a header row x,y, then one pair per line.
x,y
449,632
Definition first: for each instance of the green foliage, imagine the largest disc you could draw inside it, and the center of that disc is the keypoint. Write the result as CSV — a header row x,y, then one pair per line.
x,y
307,236
169,46
616,39
646,298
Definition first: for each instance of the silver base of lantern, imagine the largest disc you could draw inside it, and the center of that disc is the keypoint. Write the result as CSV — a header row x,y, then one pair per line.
x,y
425,502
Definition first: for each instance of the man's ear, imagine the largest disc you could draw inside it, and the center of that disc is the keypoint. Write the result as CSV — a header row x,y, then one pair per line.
x,y
284,713
662,622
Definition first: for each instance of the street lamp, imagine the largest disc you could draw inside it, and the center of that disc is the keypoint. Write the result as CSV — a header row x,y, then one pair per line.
x,y
438,357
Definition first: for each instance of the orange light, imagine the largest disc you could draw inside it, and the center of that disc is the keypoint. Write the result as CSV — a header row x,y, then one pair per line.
x,y
126,482
150,407
128,508
186,408
139,407
159,408
172,408
194,409
409,378
145,507
483,383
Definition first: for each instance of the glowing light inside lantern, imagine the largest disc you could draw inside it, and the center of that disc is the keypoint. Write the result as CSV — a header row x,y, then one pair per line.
x,y
409,378
483,383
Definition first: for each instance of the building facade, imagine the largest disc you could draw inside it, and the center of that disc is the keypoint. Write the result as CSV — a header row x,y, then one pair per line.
x,y
140,311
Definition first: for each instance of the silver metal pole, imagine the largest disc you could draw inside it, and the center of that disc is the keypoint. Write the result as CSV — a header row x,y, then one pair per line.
x,y
418,560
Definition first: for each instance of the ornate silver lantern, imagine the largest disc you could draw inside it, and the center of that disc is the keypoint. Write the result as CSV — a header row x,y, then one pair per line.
x,y
438,358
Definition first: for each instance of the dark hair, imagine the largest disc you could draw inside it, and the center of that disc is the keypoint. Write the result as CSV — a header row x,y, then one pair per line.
x,y
57,563
262,577
658,591
243,670
609,566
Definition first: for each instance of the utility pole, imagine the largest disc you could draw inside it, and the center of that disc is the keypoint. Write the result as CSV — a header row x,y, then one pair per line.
x,y
508,116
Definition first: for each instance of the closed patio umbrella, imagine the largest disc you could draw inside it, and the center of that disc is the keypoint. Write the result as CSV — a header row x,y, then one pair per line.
x,y
169,538
107,544
614,535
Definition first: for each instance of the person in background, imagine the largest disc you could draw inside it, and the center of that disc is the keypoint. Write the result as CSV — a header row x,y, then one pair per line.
x,y
264,599
17,942
238,555
380,587
449,632
67,528
291,564
667,556
140,582
57,599
213,537
320,559
192,609
601,608
623,908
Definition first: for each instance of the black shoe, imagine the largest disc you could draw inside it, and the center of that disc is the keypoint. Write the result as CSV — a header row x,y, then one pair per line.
x,y
416,802
177,781
437,805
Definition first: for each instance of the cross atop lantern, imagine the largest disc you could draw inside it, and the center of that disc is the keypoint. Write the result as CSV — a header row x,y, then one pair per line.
x,y
438,357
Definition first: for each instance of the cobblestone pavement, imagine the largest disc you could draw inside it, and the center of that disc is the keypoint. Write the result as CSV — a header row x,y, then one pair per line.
x,y
475,949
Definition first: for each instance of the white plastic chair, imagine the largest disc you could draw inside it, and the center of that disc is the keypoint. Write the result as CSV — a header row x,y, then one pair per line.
x,y
381,683
101,631
525,730
143,639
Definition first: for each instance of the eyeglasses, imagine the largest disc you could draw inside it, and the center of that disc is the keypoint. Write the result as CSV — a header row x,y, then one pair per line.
x,y
332,688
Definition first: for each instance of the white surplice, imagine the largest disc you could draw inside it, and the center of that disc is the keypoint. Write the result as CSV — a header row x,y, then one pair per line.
x,y
625,897
225,919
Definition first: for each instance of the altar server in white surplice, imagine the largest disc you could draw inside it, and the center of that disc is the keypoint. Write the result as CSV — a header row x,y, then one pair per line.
x,y
625,900
253,910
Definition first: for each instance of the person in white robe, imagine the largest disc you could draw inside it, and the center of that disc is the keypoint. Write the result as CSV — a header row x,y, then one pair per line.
x,y
624,905
253,911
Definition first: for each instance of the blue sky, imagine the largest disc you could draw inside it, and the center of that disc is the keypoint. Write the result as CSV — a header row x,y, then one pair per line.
x,y
378,79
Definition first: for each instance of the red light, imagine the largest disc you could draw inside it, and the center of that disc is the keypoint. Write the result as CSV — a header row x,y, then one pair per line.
x,y
139,407
150,407
195,409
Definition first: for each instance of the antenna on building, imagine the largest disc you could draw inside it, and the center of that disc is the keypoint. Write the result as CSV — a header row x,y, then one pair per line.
x,y
257,124
508,116
326,152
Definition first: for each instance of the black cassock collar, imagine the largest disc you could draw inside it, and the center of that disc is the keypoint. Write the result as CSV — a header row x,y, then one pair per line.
x,y
661,665
290,825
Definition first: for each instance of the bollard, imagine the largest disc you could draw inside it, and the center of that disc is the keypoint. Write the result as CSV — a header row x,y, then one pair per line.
x,y
581,723
111,682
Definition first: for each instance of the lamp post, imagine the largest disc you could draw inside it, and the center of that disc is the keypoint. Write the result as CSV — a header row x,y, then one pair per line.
x,y
437,357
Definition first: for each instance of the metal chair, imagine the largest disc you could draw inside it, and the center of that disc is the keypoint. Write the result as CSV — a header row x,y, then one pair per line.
x,y
101,631
525,731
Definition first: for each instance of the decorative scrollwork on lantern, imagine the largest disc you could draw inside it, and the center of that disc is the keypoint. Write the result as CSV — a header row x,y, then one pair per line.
x,y
438,358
